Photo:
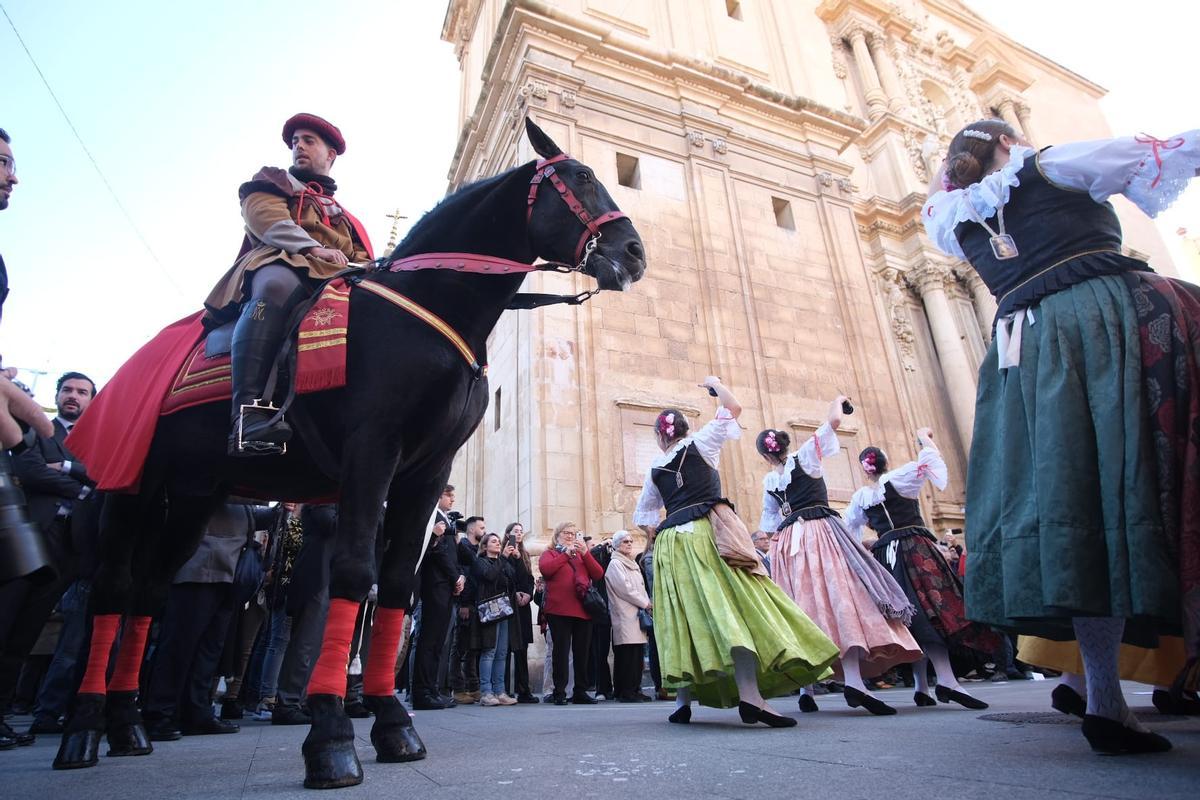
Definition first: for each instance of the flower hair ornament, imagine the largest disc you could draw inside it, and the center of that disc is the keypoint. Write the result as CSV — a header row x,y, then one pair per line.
x,y
974,134
666,425
770,443
868,464
947,184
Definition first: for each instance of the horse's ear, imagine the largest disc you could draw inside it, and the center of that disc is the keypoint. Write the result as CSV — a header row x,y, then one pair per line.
x,y
543,145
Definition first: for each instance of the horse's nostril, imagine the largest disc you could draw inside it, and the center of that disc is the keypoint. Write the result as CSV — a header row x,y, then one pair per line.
x,y
635,249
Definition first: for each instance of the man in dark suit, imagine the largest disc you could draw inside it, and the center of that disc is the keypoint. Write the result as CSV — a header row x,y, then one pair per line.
x,y
441,580
54,481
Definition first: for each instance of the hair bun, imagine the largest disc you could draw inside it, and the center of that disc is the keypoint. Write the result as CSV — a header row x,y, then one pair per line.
x,y
963,169
784,440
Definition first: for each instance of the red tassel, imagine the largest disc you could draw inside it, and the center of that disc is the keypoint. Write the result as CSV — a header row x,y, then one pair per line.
x,y
129,656
329,674
379,678
104,631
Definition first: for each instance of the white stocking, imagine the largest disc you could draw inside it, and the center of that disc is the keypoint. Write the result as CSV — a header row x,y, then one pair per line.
x,y
1099,641
1074,682
683,697
745,675
921,675
809,690
940,657
851,674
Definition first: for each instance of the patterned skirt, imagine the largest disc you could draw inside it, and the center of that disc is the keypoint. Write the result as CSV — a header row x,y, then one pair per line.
x,y
809,562
926,577
1083,490
703,609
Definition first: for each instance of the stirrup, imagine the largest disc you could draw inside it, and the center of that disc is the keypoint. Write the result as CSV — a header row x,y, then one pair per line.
x,y
254,447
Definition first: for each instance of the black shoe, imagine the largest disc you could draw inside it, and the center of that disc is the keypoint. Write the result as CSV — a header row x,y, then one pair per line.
x,y
448,700
855,698
1068,701
7,742
22,739
752,714
162,729
642,697
558,699
426,703
209,726
922,699
232,709
290,715
583,699
681,715
1111,738
807,704
1166,703
356,710
527,699
962,698
46,725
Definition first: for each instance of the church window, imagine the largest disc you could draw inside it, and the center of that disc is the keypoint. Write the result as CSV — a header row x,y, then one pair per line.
x,y
629,171
783,213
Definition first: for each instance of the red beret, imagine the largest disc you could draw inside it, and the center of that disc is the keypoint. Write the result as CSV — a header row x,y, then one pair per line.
x,y
326,129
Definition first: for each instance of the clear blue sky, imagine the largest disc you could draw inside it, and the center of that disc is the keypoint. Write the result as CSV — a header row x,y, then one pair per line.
x,y
181,102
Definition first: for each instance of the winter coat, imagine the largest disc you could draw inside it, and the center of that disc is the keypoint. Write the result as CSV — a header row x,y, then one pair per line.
x,y
626,594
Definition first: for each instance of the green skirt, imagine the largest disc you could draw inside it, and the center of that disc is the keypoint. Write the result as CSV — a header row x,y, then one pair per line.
x,y
703,609
1063,514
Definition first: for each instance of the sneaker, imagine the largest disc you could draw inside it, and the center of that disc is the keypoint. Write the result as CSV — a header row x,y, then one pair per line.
x,y
262,712
506,700
489,699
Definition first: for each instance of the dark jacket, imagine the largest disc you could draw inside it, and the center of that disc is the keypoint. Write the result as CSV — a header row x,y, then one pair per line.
x,y
310,575
492,576
46,489
521,634
440,569
467,555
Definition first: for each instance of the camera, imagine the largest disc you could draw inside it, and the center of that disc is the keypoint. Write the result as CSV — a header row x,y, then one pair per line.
x,y
456,519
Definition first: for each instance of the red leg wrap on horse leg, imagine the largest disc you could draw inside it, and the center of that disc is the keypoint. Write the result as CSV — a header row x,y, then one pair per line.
x,y
129,656
379,678
104,631
329,674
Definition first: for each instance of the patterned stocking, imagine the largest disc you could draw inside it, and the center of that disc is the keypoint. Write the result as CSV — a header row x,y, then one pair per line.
x,y
1074,682
940,657
851,674
745,674
1099,640
921,675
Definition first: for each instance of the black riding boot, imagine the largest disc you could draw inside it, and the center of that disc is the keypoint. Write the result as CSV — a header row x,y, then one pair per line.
x,y
256,340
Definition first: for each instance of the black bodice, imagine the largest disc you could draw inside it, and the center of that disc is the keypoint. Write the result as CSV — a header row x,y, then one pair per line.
x,y
688,485
895,512
1063,237
804,498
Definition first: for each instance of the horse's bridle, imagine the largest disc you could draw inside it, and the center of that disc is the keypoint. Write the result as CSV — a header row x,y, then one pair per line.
x,y
491,265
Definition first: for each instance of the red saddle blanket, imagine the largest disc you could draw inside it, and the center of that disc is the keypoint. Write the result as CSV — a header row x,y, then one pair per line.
x,y
170,373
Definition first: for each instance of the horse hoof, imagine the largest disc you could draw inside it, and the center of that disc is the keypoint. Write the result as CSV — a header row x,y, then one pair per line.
x,y
393,735
330,761
78,750
331,765
395,744
128,740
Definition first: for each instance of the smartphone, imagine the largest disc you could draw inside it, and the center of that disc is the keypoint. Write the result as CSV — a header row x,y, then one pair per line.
x,y
510,539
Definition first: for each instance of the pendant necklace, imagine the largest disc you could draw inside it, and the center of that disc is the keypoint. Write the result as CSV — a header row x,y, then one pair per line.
x,y
1003,246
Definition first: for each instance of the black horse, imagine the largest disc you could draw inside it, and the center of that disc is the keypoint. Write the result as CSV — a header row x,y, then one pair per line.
x,y
411,400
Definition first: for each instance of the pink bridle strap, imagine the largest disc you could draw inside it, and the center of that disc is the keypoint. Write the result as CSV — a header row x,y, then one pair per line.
x,y
545,170
466,262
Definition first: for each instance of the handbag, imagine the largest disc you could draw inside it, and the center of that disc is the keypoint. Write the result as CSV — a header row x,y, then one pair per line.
x,y
645,620
494,609
594,604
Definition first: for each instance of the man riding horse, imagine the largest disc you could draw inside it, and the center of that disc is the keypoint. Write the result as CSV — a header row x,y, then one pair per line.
x,y
296,236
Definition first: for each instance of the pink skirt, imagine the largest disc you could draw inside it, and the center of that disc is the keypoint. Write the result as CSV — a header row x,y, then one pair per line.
x,y
813,570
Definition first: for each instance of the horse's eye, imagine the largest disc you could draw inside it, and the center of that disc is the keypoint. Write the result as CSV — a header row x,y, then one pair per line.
x,y
584,176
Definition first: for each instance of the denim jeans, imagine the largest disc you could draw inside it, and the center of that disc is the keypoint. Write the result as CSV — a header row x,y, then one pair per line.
x,y
70,655
278,635
492,662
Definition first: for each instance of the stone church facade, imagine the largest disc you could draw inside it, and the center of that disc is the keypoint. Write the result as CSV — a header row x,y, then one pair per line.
x,y
774,155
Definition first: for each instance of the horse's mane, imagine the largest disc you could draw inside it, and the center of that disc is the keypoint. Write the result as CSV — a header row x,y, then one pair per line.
x,y
454,208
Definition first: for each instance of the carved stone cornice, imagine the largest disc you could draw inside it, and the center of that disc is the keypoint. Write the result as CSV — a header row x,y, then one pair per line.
x,y
929,277
899,220
892,17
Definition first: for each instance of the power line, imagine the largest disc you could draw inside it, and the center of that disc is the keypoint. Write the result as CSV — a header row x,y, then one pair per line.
x,y
104,179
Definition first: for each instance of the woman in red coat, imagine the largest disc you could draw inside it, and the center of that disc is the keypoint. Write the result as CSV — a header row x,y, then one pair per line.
x,y
568,570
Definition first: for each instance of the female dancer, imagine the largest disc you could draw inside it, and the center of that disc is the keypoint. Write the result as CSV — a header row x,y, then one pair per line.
x,y
725,634
1082,524
888,504
829,574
